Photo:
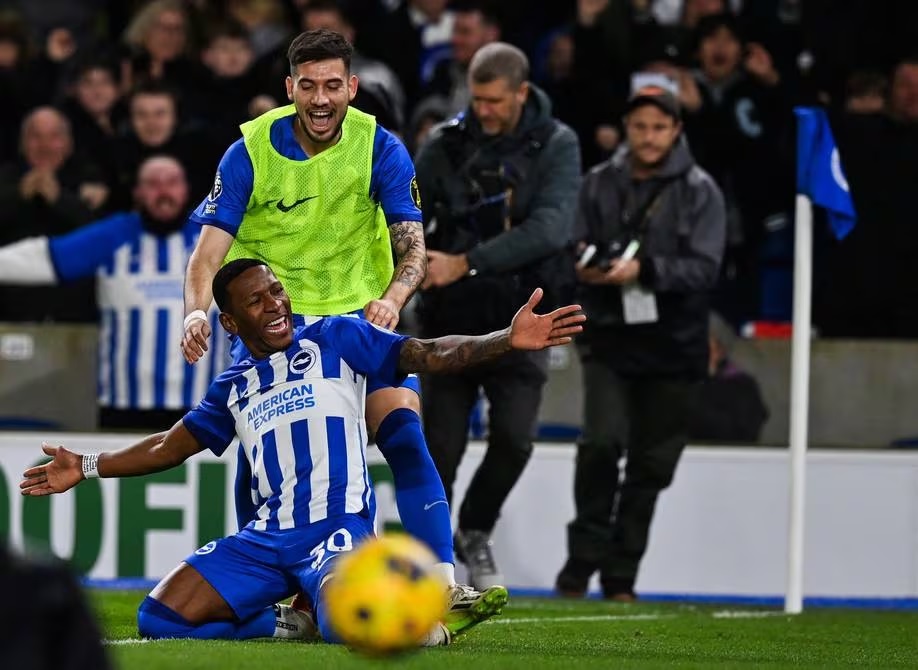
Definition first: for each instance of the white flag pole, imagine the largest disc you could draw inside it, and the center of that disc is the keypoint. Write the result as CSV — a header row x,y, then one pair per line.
x,y
800,399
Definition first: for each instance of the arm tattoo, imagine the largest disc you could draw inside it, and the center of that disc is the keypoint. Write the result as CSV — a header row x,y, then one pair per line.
x,y
452,353
411,252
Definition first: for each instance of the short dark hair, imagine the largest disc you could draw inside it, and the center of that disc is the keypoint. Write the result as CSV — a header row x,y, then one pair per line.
x,y
343,8
149,86
227,28
487,10
866,82
227,274
709,25
83,65
321,44
499,60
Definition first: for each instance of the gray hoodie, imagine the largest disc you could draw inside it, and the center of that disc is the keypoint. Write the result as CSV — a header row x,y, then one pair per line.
x,y
682,243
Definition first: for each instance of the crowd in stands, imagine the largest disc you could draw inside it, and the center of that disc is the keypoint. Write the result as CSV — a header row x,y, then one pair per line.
x,y
91,88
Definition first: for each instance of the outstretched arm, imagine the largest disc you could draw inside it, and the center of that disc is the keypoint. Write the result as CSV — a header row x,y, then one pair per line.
x,y
527,331
27,262
152,454
205,260
411,254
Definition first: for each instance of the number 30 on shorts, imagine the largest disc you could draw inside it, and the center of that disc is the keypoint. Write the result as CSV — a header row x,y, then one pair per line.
x,y
336,543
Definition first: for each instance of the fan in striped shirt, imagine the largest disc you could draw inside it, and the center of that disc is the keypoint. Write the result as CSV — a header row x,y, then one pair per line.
x,y
139,260
296,406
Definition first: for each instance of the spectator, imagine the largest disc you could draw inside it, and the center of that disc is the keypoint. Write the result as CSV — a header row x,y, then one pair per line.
x,y
867,288
228,81
670,26
601,60
657,224
45,194
159,39
500,182
95,111
728,405
474,25
139,260
737,131
903,101
155,129
866,93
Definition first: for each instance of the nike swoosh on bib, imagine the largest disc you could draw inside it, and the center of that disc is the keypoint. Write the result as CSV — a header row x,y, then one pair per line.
x,y
286,208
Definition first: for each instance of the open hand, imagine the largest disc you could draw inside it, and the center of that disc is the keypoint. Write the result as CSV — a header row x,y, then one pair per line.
x,y
61,473
194,343
760,64
532,331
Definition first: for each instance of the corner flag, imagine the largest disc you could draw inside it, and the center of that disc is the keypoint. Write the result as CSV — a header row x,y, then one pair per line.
x,y
819,170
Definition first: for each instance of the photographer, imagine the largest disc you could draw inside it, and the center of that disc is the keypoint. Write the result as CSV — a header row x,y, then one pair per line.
x,y
499,186
650,230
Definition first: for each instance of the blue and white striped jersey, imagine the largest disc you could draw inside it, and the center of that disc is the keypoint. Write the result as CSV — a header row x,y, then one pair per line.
x,y
299,417
139,281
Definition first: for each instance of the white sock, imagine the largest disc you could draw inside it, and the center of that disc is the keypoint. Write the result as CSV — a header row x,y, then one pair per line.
x,y
292,624
447,572
437,637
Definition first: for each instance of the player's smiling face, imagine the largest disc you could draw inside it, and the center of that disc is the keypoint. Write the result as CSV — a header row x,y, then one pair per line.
x,y
260,312
321,91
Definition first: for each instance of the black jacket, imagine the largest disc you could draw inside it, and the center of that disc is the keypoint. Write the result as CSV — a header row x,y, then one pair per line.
x,y
512,243
682,243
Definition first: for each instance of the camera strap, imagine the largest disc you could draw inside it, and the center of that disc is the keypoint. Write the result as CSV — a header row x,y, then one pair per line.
x,y
635,219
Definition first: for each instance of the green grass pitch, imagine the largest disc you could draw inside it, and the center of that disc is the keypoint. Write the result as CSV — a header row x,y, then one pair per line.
x,y
547,633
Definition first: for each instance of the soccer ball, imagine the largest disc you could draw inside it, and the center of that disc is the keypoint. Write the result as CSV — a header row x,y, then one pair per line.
x,y
385,596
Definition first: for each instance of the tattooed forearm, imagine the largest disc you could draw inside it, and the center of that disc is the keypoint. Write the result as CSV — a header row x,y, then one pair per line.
x,y
411,252
452,352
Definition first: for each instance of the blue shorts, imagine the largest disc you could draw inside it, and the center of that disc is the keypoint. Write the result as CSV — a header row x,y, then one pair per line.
x,y
238,352
254,569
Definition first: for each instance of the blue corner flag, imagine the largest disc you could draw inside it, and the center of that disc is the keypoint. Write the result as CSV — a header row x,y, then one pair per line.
x,y
819,170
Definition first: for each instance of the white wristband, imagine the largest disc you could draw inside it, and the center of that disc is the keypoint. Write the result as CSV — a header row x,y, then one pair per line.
x,y
91,466
194,316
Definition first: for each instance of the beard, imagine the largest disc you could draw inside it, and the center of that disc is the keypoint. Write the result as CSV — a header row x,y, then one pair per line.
x,y
302,120
162,227
640,163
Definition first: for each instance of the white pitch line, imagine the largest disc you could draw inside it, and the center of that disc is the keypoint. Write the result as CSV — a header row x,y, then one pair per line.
x,y
746,614
594,617
721,614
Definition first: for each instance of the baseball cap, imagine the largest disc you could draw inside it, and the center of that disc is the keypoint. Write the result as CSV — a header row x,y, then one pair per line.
x,y
657,96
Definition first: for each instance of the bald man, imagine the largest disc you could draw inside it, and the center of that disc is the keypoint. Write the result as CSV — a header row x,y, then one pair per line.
x,y
138,259
42,194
